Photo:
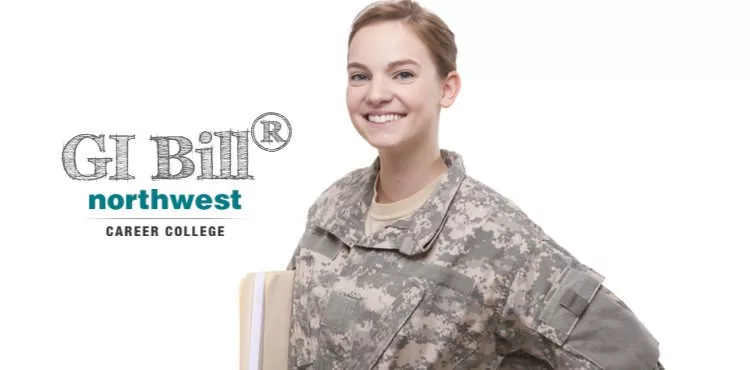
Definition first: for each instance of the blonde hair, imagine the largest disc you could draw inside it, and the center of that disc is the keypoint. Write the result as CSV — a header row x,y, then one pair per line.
x,y
432,30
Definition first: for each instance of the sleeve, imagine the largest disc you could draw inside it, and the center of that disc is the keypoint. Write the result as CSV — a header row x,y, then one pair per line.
x,y
570,320
292,265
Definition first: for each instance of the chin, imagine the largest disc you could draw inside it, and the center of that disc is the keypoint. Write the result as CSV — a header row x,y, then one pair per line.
x,y
384,143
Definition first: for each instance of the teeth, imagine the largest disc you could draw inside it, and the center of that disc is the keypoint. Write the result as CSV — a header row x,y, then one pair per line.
x,y
382,118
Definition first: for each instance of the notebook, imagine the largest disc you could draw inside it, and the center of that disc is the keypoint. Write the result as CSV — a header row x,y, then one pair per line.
x,y
265,320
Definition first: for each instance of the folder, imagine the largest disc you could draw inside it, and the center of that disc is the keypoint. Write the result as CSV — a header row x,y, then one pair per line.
x,y
265,320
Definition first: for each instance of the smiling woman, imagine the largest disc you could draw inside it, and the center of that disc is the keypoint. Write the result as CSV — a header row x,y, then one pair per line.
x,y
410,263
400,74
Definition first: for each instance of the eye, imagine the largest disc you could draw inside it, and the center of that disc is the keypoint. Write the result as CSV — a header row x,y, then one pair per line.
x,y
403,75
358,77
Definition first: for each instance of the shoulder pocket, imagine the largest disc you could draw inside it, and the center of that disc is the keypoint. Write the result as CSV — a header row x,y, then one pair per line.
x,y
566,303
585,317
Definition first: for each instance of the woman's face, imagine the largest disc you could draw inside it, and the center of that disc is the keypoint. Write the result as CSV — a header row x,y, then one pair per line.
x,y
394,93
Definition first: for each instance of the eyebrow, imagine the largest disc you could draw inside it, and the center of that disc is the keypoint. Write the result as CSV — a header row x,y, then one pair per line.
x,y
391,65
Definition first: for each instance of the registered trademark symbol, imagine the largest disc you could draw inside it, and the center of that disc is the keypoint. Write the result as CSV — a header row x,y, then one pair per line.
x,y
274,131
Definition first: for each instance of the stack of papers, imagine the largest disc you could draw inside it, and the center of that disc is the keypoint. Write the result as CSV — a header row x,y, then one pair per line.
x,y
265,320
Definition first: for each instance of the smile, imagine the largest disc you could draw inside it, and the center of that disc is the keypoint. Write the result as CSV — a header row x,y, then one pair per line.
x,y
384,118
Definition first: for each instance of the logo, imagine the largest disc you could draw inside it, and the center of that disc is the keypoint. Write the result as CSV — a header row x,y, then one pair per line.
x,y
223,155
274,131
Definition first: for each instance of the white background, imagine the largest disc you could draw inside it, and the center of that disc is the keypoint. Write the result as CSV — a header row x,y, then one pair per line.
x,y
619,127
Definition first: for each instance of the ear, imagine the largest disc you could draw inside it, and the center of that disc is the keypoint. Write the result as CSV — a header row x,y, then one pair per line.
x,y
450,87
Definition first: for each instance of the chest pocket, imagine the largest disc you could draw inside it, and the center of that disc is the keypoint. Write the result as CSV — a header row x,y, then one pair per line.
x,y
361,320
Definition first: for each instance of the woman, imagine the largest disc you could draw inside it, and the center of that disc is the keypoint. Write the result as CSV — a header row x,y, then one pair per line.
x,y
411,264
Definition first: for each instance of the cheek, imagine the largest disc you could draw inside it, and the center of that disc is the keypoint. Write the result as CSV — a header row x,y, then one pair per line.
x,y
353,99
422,99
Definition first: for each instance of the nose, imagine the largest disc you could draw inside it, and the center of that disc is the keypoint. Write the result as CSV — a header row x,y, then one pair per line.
x,y
379,91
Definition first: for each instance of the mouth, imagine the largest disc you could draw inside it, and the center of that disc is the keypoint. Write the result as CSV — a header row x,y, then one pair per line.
x,y
383,118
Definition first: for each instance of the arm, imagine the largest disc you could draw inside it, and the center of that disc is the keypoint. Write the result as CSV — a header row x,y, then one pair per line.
x,y
292,261
292,265
567,318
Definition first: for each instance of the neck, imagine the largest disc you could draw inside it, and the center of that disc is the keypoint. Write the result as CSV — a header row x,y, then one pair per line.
x,y
404,173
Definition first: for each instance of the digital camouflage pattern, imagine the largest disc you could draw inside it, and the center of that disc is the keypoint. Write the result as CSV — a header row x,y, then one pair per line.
x,y
466,282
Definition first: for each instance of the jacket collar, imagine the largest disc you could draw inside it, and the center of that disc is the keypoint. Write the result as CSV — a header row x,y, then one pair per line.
x,y
411,236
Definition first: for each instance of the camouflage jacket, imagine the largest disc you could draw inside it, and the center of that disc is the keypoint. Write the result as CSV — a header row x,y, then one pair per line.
x,y
466,282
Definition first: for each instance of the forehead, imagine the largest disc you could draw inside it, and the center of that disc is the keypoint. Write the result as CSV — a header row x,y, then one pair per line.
x,y
381,43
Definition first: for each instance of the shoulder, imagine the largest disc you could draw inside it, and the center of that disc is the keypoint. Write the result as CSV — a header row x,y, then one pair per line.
x,y
480,200
562,306
345,190
339,193
484,209
503,237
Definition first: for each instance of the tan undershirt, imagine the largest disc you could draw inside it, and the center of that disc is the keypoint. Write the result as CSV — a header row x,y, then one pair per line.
x,y
382,214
